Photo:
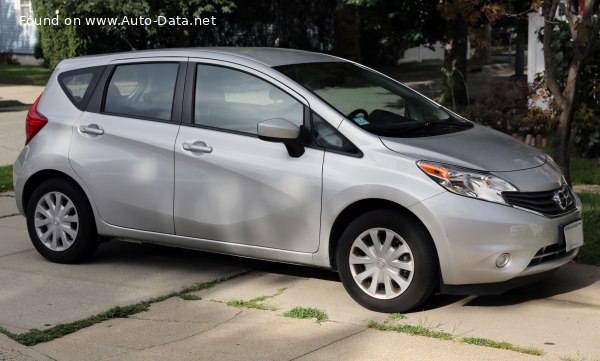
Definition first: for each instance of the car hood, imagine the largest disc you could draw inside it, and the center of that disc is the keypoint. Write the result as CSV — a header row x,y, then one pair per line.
x,y
478,148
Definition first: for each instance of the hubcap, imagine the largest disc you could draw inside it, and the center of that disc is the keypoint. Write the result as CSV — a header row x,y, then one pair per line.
x,y
56,221
381,263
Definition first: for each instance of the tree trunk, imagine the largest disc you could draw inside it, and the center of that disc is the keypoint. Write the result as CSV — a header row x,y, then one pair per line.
x,y
565,98
480,36
455,63
347,31
520,49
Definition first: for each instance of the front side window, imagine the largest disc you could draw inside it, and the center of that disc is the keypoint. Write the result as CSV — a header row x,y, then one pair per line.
x,y
233,100
372,101
142,90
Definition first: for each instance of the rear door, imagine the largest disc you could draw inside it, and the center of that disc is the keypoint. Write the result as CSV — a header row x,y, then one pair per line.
x,y
122,145
230,186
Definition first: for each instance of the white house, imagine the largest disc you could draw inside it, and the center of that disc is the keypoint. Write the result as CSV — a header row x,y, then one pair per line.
x,y
20,39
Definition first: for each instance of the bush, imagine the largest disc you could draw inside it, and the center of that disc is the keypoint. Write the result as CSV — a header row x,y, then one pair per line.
x,y
8,58
502,106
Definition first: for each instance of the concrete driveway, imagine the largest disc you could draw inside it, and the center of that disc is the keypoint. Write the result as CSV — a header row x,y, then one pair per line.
x,y
559,316
12,135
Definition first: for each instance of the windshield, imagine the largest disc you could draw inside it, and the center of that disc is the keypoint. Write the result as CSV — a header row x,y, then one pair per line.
x,y
372,101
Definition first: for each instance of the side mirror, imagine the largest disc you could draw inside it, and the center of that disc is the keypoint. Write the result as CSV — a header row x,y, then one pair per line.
x,y
282,131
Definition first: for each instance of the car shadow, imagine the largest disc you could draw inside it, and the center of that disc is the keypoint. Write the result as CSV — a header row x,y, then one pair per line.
x,y
569,278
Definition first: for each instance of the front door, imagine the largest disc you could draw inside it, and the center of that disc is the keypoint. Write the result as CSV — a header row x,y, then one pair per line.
x,y
230,186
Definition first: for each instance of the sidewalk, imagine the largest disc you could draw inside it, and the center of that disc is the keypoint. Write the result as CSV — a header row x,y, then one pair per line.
x,y
24,94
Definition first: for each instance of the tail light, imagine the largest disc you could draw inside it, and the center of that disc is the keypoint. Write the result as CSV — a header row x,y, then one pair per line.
x,y
34,122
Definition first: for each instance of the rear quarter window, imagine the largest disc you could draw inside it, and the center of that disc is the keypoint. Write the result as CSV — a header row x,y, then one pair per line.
x,y
79,84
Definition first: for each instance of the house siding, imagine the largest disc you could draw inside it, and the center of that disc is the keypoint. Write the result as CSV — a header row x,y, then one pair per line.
x,y
14,37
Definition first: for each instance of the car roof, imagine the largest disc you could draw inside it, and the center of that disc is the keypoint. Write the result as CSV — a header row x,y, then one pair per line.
x,y
270,57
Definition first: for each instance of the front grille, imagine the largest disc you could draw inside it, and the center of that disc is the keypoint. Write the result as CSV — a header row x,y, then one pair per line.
x,y
550,253
549,203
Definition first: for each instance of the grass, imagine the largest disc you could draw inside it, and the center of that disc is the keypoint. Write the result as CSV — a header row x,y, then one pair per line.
x,y
24,74
502,345
427,332
590,252
585,171
305,313
35,336
397,316
190,297
6,180
409,329
257,302
250,304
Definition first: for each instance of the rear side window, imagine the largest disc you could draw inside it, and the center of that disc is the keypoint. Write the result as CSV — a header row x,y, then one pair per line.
x,y
142,90
79,84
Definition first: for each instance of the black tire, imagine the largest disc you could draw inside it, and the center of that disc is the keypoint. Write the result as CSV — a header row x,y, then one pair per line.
x,y
422,253
83,245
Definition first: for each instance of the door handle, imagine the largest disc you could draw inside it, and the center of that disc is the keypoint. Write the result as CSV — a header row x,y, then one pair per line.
x,y
92,129
197,147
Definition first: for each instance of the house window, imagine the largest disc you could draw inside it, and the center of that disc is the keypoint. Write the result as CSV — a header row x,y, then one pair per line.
x,y
25,6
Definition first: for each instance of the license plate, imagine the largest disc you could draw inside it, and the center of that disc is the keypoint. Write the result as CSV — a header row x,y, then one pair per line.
x,y
574,235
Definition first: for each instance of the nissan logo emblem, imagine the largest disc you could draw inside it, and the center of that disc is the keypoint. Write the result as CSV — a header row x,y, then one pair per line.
x,y
560,198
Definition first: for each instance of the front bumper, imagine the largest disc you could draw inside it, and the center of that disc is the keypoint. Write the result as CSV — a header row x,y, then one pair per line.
x,y
470,234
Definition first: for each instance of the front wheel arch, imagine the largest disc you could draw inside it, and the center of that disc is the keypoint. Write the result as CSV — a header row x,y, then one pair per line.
x,y
356,209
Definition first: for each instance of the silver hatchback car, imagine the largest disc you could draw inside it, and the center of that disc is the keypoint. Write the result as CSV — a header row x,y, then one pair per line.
x,y
289,156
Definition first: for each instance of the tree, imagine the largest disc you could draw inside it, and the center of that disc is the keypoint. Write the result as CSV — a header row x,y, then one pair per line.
x,y
582,26
386,28
300,24
458,15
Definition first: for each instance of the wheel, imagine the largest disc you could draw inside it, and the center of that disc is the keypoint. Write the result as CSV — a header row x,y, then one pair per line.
x,y
60,222
387,261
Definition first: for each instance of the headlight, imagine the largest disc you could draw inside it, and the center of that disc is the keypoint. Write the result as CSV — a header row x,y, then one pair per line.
x,y
466,182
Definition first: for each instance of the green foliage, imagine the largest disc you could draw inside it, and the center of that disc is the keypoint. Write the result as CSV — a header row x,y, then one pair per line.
x,y
590,252
256,302
427,332
250,304
6,180
389,27
502,345
587,99
296,24
62,41
35,336
409,329
502,105
190,297
585,170
24,74
397,316
306,312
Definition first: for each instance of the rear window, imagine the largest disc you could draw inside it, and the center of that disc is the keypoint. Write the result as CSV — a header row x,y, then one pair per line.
x,y
79,84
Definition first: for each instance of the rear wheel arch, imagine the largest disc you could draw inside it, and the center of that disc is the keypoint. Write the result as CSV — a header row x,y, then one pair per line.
x,y
41,176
